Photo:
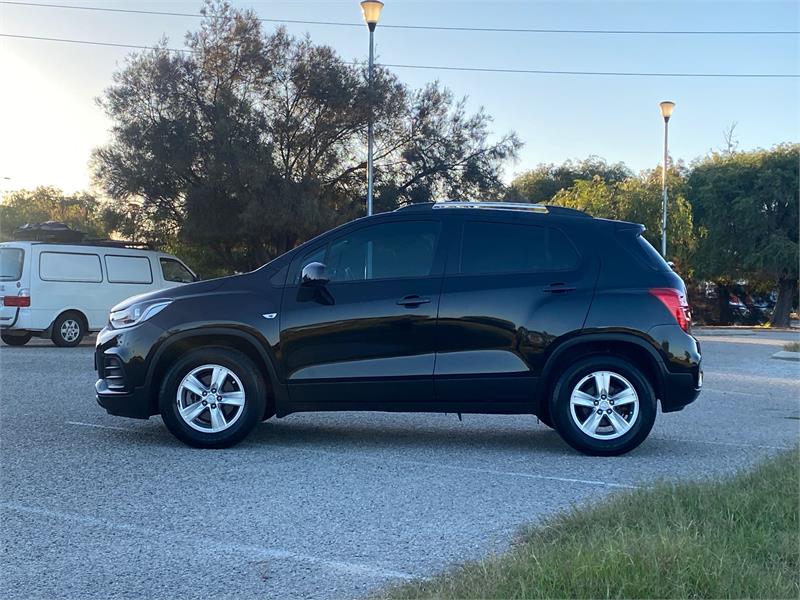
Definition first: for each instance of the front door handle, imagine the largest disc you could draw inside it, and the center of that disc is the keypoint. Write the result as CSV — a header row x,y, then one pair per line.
x,y
412,301
558,288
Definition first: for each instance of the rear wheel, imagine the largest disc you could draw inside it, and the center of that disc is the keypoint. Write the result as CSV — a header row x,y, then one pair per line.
x,y
212,397
17,338
68,330
603,406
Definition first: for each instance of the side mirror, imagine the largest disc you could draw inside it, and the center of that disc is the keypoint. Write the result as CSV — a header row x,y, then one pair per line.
x,y
314,274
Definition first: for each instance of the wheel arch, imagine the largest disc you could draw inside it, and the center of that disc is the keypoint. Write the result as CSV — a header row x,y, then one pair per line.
x,y
63,312
178,344
628,346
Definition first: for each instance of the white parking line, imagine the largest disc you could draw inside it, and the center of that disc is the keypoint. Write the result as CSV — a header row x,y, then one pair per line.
x,y
98,426
420,463
251,551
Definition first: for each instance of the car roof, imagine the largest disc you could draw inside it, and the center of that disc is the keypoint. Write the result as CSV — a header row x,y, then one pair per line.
x,y
494,207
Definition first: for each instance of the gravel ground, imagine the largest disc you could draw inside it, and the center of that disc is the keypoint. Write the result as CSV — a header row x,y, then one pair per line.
x,y
324,505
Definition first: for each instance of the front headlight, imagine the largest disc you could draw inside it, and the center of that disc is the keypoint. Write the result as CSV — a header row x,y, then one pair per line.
x,y
136,313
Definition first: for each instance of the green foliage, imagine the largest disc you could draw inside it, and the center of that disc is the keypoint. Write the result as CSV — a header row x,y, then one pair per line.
x,y
80,211
546,180
639,200
255,142
746,206
728,539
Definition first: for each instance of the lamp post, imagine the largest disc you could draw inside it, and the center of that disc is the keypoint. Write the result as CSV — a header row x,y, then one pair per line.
x,y
666,112
371,9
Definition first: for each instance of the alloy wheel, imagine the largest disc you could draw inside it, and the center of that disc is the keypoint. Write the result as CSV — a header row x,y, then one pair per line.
x,y
210,398
604,405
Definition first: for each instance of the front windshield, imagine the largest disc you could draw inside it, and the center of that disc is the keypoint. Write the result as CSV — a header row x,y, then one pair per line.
x,y
11,263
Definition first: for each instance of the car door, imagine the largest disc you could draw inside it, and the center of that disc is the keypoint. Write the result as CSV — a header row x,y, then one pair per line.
x,y
511,289
366,338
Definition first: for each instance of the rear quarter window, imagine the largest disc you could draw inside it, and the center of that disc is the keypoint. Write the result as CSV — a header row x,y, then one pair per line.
x,y
70,266
644,251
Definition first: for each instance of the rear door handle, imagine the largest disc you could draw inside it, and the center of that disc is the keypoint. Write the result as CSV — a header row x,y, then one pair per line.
x,y
558,288
412,301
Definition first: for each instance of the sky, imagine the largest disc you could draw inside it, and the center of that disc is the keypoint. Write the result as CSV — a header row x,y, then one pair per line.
x,y
50,121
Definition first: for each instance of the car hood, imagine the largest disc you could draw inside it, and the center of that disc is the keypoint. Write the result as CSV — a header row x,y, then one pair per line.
x,y
181,291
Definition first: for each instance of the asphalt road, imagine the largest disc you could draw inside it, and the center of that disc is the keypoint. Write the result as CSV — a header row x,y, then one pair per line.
x,y
324,505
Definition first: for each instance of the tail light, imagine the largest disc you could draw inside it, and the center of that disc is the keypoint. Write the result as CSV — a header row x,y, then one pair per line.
x,y
21,300
676,304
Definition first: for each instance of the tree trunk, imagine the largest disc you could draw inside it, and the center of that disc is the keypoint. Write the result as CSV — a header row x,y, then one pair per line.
x,y
725,314
787,293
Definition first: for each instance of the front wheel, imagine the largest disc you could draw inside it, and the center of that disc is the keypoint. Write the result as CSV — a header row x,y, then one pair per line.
x,y
17,338
603,406
212,397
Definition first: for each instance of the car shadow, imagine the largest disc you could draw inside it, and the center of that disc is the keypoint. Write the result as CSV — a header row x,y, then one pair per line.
x,y
403,436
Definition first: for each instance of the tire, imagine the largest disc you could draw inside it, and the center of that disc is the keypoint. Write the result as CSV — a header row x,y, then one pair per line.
x,y
573,419
68,330
208,425
16,339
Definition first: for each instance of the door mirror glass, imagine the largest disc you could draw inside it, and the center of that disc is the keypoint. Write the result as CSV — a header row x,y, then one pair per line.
x,y
314,274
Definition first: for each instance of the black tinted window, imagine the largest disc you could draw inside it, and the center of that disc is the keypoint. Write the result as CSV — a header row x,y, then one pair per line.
x,y
510,248
387,251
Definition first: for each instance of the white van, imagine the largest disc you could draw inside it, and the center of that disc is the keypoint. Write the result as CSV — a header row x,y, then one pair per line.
x,y
63,291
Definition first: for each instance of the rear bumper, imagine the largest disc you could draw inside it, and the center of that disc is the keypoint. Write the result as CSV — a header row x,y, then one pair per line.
x,y
681,389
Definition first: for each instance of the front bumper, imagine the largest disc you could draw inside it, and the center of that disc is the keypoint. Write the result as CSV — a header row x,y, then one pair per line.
x,y
134,404
125,392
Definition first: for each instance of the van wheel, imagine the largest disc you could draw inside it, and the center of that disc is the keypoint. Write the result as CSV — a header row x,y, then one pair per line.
x,y
212,397
603,406
68,330
16,339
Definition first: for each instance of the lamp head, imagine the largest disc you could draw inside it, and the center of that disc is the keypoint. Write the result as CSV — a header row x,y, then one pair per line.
x,y
666,109
371,9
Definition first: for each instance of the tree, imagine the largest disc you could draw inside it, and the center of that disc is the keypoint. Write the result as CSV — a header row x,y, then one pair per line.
x,y
80,211
639,200
251,142
746,206
546,180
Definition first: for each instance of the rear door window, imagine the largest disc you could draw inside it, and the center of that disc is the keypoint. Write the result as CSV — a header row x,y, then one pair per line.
x,y
11,261
489,247
128,269
70,266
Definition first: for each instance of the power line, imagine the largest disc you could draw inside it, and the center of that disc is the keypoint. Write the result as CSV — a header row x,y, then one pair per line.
x,y
420,27
438,67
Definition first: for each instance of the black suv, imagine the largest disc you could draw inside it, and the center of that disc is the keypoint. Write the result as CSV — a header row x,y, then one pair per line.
x,y
459,307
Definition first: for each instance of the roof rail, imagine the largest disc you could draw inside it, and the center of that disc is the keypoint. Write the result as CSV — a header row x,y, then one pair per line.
x,y
539,208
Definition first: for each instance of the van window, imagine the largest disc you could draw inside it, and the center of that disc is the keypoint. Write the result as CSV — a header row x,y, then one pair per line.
x,y
70,266
512,248
11,260
128,269
174,270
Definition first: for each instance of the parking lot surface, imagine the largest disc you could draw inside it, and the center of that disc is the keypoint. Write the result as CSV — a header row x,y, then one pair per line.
x,y
325,505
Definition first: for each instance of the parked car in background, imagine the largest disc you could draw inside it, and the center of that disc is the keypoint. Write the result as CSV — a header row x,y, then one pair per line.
x,y
448,307
63,291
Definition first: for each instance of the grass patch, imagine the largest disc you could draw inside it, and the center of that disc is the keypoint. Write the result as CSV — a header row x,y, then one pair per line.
x,y
792,347
734,538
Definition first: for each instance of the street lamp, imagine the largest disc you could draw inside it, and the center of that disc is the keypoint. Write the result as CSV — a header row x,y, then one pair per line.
x,y
666,111
371,9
